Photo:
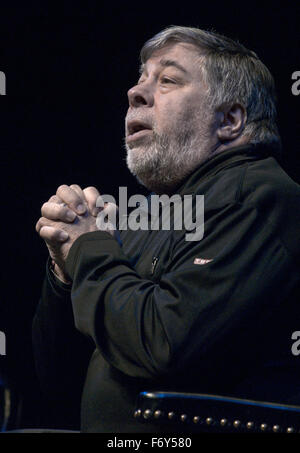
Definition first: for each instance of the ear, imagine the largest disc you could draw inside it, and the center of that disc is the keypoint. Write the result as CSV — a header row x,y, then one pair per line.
x,y
232,122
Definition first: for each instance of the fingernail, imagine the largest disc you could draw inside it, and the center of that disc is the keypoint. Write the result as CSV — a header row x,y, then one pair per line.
x,y
71,215
80,209
63,235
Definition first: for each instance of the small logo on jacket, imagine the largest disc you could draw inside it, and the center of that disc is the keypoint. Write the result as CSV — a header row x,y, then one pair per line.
x,y
201,261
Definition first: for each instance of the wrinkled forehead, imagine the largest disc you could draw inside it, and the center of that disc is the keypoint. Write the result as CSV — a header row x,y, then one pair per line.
x,y
187,56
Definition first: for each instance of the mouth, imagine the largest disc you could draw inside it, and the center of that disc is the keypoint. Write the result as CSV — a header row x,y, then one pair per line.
x,y
137,129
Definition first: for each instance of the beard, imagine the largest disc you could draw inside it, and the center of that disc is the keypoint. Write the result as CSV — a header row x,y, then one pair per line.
x,y
161,161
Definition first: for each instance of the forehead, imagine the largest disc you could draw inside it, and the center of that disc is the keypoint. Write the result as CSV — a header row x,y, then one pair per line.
x,y
187,55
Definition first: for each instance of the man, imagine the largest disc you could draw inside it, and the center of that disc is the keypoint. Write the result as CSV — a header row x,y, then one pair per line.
x,y
147,309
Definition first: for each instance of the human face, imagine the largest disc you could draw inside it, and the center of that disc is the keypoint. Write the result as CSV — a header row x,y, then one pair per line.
x,y
169,122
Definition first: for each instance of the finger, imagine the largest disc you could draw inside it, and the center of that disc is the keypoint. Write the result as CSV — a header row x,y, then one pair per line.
x,y
72,199
78,190
56,211
55,199
53,235
91,194
43,223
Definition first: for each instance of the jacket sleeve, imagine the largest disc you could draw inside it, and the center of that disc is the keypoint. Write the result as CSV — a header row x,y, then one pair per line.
x,y
146,329
61,353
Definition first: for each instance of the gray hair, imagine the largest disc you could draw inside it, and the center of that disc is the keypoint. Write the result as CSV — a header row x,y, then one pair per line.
x,y
233,74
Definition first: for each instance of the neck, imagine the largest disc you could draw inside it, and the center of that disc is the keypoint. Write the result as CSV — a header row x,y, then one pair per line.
x,y
223,146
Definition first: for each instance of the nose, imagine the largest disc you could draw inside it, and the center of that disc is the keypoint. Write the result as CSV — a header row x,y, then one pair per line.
x,y
140,96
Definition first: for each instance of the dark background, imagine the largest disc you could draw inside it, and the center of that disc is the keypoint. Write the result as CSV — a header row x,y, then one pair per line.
x,y
62,121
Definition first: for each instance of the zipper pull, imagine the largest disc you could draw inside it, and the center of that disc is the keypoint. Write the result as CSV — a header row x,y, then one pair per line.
x,y
153,265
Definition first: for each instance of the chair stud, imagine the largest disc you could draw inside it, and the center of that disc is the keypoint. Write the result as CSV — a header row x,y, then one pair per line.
x,y
196,419
276,428
290,429
236,423
137,413
147,413
171,415
157,413
209,420
223,422
249,425
263,427
183,417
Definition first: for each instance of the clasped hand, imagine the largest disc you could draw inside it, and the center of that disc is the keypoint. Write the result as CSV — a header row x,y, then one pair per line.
x,y
66,216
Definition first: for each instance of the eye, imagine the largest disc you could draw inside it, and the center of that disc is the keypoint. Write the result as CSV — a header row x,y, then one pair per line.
x,y
167,80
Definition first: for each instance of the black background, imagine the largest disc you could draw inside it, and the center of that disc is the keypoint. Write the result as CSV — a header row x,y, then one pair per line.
x,y
62,122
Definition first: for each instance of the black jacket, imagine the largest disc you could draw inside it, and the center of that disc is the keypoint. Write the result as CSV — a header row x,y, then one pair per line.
x,y
146,316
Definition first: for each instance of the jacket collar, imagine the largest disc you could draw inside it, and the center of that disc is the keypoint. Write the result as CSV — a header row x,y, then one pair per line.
x,y
216,163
